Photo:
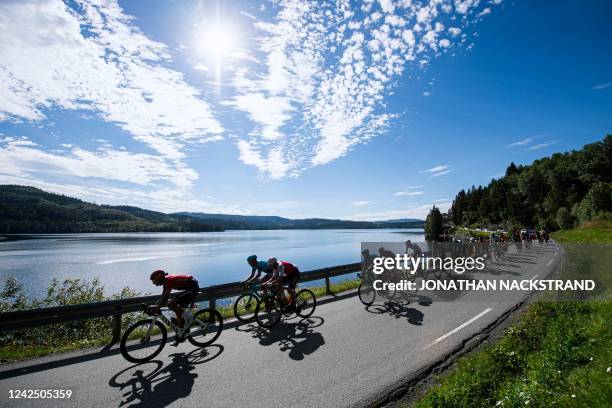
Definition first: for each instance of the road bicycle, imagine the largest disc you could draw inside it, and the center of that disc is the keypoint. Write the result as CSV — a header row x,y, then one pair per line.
x,y
146,338
246,304
273,305
367,293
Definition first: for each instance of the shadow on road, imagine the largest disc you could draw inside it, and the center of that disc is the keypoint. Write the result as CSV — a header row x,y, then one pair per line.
x,y
399,310
154,385
300,338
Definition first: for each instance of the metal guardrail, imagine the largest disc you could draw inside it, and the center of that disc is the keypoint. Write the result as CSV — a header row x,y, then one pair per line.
x,y
39,317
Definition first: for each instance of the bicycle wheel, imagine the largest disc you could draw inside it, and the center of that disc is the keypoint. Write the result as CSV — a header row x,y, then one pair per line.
x,y
244,307
206,327
305,303
268,312
137,343
367,294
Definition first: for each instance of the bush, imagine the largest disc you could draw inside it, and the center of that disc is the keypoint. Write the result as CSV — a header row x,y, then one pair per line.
x,y
59,336
565,220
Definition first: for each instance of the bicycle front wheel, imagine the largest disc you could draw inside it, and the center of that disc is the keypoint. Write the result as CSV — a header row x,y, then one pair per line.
x,y
305,303
268,312
367,294
140,344
206,327
244,307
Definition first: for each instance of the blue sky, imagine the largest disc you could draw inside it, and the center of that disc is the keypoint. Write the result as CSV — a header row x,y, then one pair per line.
x,y
355,110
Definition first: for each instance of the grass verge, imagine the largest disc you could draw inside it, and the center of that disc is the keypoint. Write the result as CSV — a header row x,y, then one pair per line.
x,y
556,354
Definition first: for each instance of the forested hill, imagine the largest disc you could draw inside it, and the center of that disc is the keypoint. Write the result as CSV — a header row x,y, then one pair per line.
x,y
26,210
29,210
553,192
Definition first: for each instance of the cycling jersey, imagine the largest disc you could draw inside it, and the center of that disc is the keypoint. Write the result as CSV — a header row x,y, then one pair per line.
x,y
180,282
262,266
286,269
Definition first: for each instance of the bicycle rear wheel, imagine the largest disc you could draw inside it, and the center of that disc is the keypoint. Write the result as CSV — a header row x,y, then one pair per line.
x,y
367,294
206,327
305,303
268,312
137,343
244,307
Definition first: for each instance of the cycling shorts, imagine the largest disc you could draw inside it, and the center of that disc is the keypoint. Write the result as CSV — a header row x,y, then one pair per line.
x,y
187,297
291,280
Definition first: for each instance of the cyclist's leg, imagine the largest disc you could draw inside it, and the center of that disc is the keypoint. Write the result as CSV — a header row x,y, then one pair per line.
x,y
292,284
173,304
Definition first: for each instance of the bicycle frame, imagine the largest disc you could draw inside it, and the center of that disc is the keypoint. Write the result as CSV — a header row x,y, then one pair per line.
x,y
168,323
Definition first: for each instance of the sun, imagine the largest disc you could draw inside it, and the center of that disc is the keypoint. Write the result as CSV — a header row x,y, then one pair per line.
x,y
217,40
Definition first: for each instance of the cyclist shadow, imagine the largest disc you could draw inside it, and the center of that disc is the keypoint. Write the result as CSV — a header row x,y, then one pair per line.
x,y
398,310
162,385
299,339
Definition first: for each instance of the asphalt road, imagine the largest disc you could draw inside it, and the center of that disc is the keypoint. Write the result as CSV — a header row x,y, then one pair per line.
x,y
340,356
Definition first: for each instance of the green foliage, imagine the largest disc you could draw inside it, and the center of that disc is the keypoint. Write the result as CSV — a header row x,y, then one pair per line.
x,y
556,354
564,218
60,336
533,195
25,210
545,359
434,226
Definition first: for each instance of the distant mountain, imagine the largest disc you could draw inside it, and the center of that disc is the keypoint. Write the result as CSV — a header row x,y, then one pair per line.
x,y
275,222
29,210
400,220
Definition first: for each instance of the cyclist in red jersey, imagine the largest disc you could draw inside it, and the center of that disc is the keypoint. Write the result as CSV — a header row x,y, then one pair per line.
x,y
284,273
188,288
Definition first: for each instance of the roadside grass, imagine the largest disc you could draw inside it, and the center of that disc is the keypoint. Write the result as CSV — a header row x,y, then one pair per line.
x,y
556,354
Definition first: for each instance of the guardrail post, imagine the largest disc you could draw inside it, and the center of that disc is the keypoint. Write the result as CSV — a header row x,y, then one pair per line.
x,y
212,304
116,328
327,287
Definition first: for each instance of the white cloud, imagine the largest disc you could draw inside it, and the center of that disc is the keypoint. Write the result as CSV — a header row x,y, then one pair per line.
x,y
419,212
599,87
440,173
325,72
23,158
408,193
360,203
91,57
454,31
522,142
436,169
484,12
542,145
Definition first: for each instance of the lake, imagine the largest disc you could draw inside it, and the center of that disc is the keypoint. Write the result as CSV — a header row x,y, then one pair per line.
x,y
127,259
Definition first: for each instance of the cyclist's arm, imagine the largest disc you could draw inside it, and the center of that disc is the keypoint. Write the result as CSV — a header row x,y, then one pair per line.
x,y
163,299
252,276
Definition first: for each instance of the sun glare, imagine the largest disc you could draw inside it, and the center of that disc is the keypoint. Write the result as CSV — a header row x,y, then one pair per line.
x,y
215,43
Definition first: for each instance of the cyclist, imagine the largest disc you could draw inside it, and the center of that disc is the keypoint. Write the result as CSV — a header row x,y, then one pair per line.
x,y
257,268
416,250
284,273
188,288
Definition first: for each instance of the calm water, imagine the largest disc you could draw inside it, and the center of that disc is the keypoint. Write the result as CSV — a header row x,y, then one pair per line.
x,y
213,257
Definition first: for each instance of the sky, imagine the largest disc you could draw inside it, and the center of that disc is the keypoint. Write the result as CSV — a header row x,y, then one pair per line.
x,y
356,110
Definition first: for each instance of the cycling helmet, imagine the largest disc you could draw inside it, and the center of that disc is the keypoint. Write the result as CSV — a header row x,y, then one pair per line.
x,y
251,259
157,274
272,261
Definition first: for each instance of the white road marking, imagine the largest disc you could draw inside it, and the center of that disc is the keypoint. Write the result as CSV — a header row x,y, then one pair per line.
x,y
534,276
549,262
456,329
556,253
